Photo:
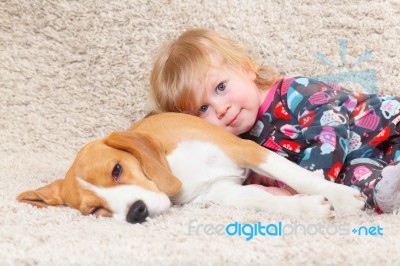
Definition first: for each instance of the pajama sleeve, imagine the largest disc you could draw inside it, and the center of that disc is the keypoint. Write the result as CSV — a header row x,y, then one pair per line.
x,y
323,120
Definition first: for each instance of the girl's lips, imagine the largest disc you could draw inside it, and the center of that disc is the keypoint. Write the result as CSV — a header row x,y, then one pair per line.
x,y
234,120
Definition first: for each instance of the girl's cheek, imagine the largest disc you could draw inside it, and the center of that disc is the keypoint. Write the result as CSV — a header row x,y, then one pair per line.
x,y
212,118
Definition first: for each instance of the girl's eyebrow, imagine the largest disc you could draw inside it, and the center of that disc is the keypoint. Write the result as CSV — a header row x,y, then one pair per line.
x,y
212,82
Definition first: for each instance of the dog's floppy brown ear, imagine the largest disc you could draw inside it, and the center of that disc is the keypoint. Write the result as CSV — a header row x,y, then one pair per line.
x,y
151,155
49,195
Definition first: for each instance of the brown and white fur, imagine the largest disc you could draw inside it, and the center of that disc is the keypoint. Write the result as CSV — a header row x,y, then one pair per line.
x,y
179,158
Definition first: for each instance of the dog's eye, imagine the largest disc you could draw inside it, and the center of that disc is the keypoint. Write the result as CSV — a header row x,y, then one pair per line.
x,y
117,172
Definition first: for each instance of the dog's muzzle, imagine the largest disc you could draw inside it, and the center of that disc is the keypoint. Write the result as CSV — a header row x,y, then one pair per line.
x,y
137,213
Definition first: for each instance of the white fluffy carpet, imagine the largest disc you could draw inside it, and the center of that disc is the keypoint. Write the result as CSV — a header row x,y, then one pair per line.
x,y
73,71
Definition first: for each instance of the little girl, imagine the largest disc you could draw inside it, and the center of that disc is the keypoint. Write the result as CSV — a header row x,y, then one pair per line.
x,y
346,137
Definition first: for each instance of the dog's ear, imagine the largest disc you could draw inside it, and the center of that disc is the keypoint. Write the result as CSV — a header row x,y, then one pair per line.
x,y
49,195
151,155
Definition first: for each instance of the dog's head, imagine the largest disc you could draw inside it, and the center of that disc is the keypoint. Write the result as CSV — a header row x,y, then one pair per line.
x,y
125,176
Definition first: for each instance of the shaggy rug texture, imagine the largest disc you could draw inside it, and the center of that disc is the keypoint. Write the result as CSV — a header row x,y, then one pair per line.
x,y
74,71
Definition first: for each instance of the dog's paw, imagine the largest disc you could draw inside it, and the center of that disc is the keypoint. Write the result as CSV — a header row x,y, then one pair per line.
x,y
315,206
346,200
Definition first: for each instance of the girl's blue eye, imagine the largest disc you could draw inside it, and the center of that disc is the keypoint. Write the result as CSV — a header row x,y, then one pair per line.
x,y
221,86
203,108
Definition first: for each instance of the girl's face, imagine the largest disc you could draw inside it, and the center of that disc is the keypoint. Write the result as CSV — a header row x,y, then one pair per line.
x,y
229,99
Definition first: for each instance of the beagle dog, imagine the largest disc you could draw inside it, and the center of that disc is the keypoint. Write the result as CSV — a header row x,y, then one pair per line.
x,y
178,158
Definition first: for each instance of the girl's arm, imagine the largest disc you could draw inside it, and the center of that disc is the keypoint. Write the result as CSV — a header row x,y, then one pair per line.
x,y
323,114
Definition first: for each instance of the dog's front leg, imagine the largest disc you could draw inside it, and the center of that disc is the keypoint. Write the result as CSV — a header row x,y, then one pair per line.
x,y
229,193
345,200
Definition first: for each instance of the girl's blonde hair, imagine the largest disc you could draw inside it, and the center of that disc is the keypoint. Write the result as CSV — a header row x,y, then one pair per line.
x,y
182,66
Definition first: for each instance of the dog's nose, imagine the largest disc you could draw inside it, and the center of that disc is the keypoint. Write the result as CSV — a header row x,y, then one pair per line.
x,y
137,213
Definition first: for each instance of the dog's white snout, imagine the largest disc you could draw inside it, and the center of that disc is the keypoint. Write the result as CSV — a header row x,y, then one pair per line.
x,y
121,201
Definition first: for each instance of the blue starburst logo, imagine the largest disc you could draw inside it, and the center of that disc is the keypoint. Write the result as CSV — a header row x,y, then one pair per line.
x,y
366,78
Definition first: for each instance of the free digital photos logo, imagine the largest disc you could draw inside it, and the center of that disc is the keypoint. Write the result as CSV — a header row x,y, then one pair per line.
x,y
280,229
366,78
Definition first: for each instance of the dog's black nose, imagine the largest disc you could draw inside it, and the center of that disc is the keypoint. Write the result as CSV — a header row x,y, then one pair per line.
x,y
137,212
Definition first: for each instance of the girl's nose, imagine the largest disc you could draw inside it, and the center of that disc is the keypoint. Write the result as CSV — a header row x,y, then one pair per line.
x,y
222,110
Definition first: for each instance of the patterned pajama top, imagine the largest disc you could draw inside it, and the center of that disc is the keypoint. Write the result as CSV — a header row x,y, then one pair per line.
x,y
347,137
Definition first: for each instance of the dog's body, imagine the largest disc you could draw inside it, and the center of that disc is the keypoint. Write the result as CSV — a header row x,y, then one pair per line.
x,y
134,174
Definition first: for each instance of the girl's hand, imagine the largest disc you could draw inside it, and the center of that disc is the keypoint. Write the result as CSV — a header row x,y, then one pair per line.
x,y
257,179
268,184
